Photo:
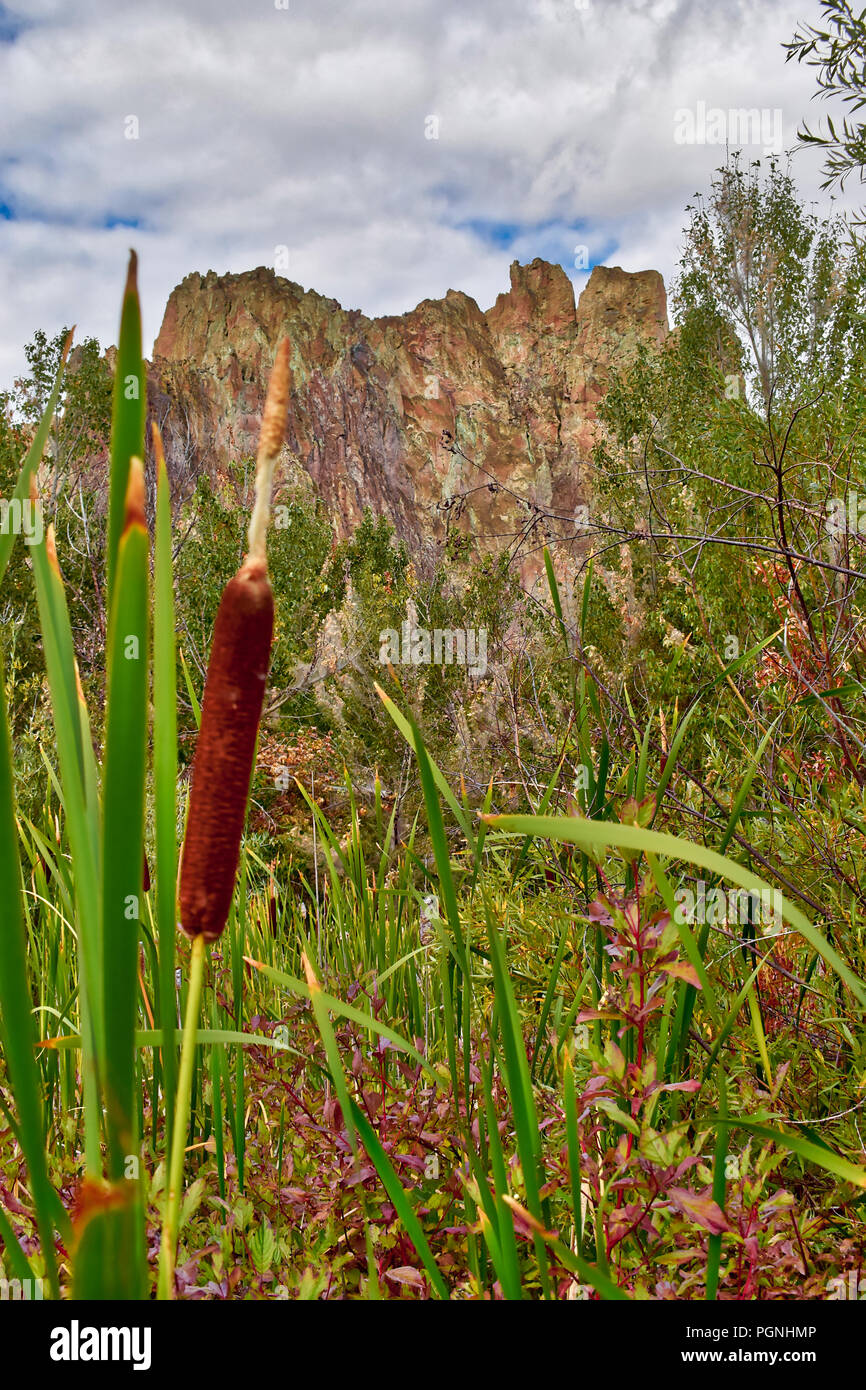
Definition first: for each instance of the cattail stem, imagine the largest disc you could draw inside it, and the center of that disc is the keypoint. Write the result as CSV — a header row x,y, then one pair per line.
x,y
270,443
174,1190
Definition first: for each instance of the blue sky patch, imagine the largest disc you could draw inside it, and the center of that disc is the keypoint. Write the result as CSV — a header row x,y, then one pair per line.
x,y
11,25
501,234
605,255
572,245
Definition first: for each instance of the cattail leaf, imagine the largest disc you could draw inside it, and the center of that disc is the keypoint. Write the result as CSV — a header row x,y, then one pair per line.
x,y
88,757
57,613
122,859
129,406
60,668
165,767
103,1215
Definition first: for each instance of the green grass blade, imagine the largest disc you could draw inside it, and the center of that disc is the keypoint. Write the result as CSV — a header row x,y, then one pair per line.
x,y
733,1013
643,762
125,763
687,938
347,1011
671,760
572,1138
332,1051
60,668
714,1247
195,704
590,1274
408,730
598,835
518,1083
504,1254
553,586
123,826
745,786
436,829
165,771
552,982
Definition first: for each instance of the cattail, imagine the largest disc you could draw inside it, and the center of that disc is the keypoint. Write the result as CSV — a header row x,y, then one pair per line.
x,y
233,698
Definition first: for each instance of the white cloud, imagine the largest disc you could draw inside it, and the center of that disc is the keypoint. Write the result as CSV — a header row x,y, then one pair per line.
x,y
260,127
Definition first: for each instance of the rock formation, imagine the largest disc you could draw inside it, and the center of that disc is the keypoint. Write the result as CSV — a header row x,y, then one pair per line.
x,y
379,404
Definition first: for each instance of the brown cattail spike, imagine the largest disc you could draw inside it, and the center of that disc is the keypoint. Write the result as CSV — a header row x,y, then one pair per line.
x,y
223,764
233,698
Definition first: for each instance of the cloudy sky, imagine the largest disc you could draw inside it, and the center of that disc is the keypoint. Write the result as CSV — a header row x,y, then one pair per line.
x,y
395,148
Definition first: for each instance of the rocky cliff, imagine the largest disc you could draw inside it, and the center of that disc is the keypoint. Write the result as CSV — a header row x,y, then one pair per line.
x,y
409,414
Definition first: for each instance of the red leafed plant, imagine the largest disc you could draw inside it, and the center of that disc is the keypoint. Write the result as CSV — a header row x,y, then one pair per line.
x,y
643,1175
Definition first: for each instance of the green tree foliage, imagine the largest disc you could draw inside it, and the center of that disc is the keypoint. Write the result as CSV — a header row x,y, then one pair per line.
x,y
839,53
726,450
73,500
212,546
83,418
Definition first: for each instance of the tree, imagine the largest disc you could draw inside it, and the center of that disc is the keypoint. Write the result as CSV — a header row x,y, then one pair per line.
x,y
211,545
839,52
73,501
730,454
82,422
777,293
